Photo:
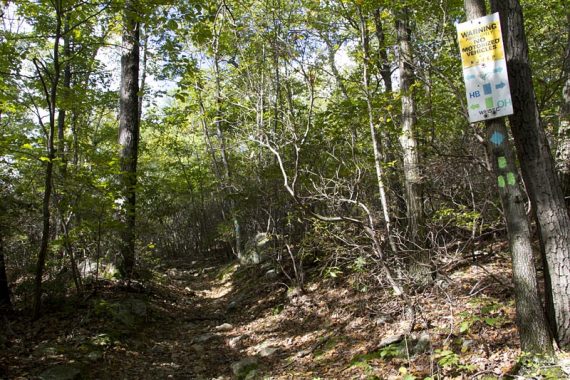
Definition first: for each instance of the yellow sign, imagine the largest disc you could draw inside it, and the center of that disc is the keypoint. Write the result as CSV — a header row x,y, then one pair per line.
x,y
480,41
484,68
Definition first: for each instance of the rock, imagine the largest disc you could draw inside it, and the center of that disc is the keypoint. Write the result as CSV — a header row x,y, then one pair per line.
x,y
233,342
243,368
61,372
256,250
383,319
271,274
266,348
267,351
422,345
224,327
87,268
565,365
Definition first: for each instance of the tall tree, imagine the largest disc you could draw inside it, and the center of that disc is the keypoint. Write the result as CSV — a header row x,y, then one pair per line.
x,y
420,263
5,303
532,325
563,148
538,171
129,133
377,150
50,81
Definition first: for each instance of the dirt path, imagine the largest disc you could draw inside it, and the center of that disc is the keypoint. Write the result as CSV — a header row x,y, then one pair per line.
x,y
192,319
206,320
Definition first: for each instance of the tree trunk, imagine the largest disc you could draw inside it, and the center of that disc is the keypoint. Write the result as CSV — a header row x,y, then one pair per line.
x,y
420,268
376,146
5,303
50,91
533,328
129,136
538,171
382,61
408,141
227,180
61,148
563,148
392,172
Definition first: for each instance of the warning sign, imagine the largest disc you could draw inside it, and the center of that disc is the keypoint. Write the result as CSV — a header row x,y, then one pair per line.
x,y
484,68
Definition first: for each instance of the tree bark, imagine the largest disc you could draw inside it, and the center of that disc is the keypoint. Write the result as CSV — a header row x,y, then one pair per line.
x,y
392,172
531,321
382,61
538,171
5,303
50,91
376,146
227,177
420,268
408,141
563,148
129,135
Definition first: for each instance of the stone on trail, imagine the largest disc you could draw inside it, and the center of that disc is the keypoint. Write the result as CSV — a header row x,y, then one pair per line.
x,y
266,348
61,372
267,351
224,327
243,369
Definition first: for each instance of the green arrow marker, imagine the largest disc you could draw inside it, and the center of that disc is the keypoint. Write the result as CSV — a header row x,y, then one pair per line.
x,y
474,106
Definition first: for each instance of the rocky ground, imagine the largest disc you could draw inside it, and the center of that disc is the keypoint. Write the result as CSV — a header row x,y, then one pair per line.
x,y
205,320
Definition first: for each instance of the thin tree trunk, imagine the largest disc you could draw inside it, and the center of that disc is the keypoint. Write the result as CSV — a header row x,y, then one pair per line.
x,y
420,266
66,86
538,171
376,146
5,303
563,148
223,148
408,141
129,135
51,101
392,172
382,61
142,87
331,51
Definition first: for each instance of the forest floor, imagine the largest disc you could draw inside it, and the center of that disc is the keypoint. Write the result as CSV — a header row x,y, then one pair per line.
x,y
207,320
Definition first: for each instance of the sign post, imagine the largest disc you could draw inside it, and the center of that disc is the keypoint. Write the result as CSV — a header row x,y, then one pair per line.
x,y
484,68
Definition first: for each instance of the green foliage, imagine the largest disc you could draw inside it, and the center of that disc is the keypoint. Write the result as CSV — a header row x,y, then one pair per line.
x,y
538,366
488,312
463,217
448,359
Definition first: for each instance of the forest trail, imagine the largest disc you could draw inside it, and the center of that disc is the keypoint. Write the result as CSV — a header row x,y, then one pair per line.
x,y
208,320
